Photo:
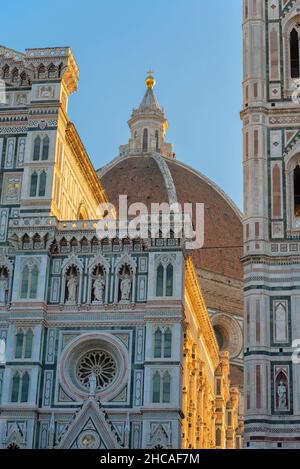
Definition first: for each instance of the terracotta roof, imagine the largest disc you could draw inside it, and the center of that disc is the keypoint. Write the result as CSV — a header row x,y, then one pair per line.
x,y
222,221
141,179
138,177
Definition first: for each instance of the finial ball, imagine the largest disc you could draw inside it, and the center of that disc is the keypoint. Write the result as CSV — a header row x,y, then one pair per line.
x,y
150,80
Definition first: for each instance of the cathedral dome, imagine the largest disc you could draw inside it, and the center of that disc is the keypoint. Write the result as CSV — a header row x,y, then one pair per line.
x,y
153,179
147,171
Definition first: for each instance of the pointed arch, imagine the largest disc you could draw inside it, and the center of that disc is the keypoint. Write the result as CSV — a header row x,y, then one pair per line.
x,y
29,279
42,184
82,213
15,390
294,54
218,437
157,141
160,280
24,282
36,148
5,72
25,387
281,390
28,344
166,397
19,343
125,263
52,71
15,76
72,262
99,262
157,343
169,283
45,149
33,184
34,282
145,140
42,71
156,388
23,79
168,343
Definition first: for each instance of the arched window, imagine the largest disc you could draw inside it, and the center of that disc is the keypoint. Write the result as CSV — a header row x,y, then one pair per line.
x,y
169,285
25,282
28,344
297,191
294,52
164,280
29,282
42,185
45,150
15,75
160,281
25,387
167,344
218,437
156,141
166,388
2,351
15,387
41,71
34,282
156,388
37,148
229,418
6,72
145,140
19,344
23,79
52,71
157,343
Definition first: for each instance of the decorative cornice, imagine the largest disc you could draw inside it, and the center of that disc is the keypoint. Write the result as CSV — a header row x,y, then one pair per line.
x,y
193,290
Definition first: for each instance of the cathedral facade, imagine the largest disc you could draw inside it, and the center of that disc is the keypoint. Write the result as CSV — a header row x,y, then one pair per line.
x,y
107,343
271,259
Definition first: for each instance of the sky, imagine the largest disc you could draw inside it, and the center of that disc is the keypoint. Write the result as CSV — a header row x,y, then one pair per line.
x,y
194,48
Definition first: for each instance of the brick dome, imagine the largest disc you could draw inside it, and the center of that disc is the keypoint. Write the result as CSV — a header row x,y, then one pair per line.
x,y
153,179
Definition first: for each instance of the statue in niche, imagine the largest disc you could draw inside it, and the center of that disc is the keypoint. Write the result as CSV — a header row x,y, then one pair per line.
x,y
125,287
98,288
3,285
282,395
92,384
72,284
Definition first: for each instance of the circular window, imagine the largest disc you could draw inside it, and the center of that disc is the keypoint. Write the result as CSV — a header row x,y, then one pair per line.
x,y
101,364
228,333
100,354
220,337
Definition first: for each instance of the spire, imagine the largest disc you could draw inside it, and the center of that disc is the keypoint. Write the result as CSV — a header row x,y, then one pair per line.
x,y
150,101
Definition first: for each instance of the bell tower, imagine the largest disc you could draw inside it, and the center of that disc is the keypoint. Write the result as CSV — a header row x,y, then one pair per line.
x,y
271,129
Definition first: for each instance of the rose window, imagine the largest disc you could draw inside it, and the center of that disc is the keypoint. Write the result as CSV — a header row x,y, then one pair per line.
x,y
99,362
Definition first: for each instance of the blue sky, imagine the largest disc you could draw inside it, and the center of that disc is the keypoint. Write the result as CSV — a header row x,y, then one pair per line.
x,y
195,49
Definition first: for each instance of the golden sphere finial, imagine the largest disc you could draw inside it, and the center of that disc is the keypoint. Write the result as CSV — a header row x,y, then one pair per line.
x,y
150,80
